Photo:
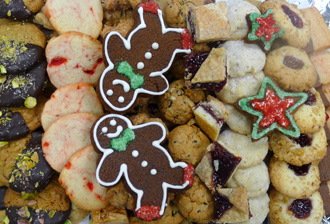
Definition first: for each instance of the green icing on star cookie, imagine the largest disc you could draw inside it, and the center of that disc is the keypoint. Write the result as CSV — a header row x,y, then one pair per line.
x,y
120,143
136,80
274,110
264,28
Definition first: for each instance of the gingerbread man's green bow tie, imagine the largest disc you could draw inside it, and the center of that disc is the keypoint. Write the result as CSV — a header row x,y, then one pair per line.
x,y
136,80
120,143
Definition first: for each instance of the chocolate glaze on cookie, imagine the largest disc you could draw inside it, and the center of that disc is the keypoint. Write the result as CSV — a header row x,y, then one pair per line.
x,y
12,125
16,88
32,173
36,216
14,9
19,57
3,191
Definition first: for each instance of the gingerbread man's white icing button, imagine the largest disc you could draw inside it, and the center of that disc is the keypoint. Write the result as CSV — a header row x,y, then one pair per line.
x,y
104,130
153,171
121,99
110,92
155,46
148,55
135,153
140,65
144,163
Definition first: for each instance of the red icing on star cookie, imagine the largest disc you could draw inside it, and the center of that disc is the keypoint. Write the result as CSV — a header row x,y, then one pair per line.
x,y
150,7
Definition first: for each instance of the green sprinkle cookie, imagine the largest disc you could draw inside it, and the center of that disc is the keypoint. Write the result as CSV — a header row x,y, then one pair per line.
x,y
274,109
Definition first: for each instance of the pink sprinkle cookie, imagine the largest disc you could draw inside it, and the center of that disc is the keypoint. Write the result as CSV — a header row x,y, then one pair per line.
x,y
84,16
79,181
74,98
66,136
74,57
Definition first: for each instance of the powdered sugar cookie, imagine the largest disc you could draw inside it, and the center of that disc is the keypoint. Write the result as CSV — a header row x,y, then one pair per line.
x,y
74,98
79,181
252,152
84,16
237,121
255,179
74,57
66,136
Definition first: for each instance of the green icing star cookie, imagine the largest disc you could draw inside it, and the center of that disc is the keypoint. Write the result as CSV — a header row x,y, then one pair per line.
x,y
274,109
264,28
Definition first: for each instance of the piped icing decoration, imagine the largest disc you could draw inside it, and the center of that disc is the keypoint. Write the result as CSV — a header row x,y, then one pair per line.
x,y
148,52
264,28
120,144
147,167
274,110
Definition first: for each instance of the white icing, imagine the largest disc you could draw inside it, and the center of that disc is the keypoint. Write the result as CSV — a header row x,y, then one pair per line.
x,y
155,46
121,99
140,65
123,167
153,171
125,85
110,92
127,43
116,134
148,55
135,153
144,163
113,122
104,130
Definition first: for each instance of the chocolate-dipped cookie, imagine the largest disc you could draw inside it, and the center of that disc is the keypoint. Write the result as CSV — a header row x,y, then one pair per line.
x,y
16,88
31,173
3,191
20,10
12,125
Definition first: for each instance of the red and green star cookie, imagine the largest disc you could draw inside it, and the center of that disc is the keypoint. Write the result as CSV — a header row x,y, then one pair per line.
x,y
274,109
263,28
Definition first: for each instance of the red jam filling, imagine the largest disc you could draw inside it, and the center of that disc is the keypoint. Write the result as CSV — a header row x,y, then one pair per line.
x,y
304,140
326,116
150,7
311,100
187,41
267,27
273,109
300,170
222,204
148,213
210,111
193,62
57,61
223,163
189,174
295,19
301,208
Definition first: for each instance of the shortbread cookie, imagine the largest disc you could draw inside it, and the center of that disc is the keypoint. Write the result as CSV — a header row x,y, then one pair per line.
x,y
66,136
283,209
19,10
187,143
243,58
74,57
255,179
296,27
238,121
294,181
79,181
210,116
321,62
237,11
80,13
252,152
304,150
197,203
209,22
237,88
74,98
310,117
291,69
259,208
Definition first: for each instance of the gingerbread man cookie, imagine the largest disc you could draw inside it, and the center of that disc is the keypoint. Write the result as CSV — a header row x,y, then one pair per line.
x,y
136,65
135,153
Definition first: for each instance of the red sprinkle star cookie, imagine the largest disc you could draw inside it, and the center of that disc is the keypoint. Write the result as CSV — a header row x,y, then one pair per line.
x,y
274,109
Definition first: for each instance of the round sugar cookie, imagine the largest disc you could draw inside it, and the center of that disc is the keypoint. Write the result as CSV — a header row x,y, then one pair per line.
x,y
79,180
66,136
252,152
84,16
255,179
74,57
294,181
306,149
281,209
259,208
238,121
74,98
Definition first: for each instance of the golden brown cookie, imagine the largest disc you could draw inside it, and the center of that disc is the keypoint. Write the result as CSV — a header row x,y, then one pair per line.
x,y
291,69
34,5
109,214
187,143
296,27
306,149
77,214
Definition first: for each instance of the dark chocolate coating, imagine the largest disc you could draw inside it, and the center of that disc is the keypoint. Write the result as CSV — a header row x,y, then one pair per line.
x,y
30,83
23,58
36,215
14,9
13,126
3,191
36,178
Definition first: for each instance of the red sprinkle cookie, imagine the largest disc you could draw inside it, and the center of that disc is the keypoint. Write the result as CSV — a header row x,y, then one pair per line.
x,y
134,152
137,64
